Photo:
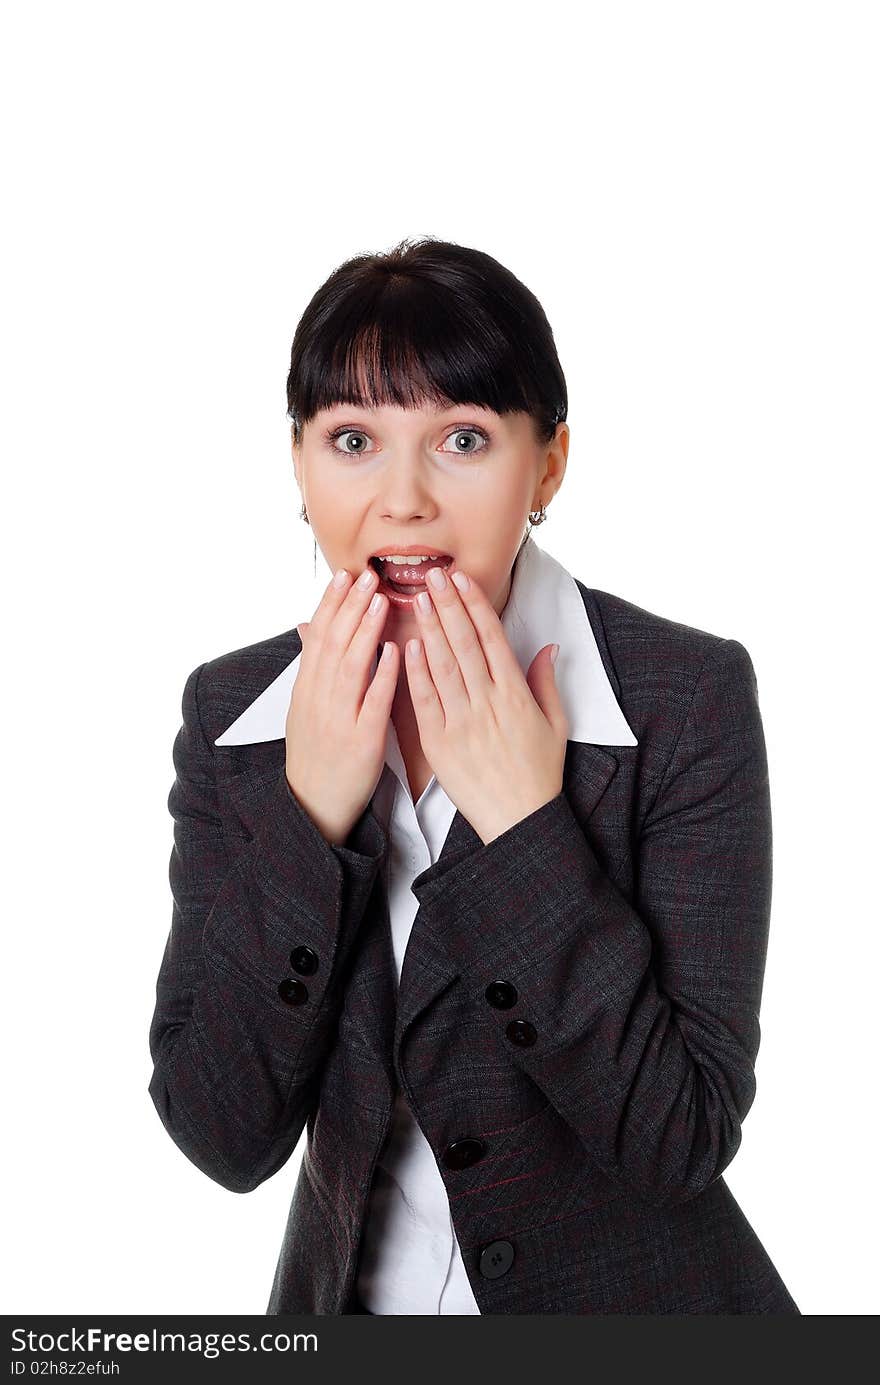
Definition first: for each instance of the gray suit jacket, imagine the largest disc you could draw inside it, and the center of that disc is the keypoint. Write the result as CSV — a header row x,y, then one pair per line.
x,y
577,1023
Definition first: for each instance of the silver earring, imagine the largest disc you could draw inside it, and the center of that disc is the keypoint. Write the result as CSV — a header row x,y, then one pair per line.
x,y
538,516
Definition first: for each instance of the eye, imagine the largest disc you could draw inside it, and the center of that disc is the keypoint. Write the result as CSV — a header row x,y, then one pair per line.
x,y
469,432
347,432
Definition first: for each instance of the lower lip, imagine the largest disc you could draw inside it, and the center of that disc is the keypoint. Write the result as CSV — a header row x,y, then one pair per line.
x,y
396,598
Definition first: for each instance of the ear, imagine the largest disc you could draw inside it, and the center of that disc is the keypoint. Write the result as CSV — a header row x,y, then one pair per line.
x,y
556,461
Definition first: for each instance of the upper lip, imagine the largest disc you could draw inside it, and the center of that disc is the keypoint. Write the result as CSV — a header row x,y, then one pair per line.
x,y
409,548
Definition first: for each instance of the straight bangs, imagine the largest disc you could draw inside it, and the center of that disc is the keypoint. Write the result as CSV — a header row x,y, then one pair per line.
x,y
380,335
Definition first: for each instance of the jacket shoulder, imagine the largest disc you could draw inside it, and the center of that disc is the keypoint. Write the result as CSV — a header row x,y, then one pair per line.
x,y
637,638
229,682
654,664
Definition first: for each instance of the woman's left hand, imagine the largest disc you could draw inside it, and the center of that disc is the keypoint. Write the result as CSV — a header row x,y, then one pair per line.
x,y
495,740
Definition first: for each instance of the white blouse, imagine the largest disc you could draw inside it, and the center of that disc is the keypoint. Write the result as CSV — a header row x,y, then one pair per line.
x,y
410,1260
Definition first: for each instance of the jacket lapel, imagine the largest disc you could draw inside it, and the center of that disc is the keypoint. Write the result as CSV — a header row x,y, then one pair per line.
x,y
249,788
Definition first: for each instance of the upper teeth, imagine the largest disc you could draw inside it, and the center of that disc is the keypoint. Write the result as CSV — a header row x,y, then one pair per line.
x,y
402,559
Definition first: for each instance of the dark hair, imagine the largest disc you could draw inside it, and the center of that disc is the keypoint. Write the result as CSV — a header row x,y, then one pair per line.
x,y
427,321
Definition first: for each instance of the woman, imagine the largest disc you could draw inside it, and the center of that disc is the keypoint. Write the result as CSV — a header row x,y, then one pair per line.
x,y
492,930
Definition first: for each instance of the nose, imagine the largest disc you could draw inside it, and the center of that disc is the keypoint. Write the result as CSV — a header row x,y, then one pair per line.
x,y
405,489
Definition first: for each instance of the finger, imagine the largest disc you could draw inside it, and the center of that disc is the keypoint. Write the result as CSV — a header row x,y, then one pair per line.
x,y
378,698
423,692
541,678
499,657
460,633
333,596
335,624
441,660
356,665
342,592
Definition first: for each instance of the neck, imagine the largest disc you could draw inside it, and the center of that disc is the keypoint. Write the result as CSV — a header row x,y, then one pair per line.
x,y
402,713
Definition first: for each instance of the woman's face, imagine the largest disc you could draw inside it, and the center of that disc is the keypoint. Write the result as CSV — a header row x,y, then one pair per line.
x,y
458,480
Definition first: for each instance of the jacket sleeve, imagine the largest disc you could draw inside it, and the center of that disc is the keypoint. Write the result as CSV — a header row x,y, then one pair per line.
x,y
236,1067
641,1018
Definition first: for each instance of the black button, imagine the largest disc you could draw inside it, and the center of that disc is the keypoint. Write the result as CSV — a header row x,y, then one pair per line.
x,y
521,1033
501,994
304,960
462,1153
496,1259
293,991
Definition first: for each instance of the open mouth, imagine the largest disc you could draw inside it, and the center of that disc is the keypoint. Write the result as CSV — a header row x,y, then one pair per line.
x,y
405,581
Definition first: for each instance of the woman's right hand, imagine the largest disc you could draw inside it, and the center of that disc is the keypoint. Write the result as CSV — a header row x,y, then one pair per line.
x,y
337,721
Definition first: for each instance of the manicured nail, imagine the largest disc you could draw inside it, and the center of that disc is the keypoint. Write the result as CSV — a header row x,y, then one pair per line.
x,y
424,601
341,578
437,578
376,604
461,580
553,652
365,581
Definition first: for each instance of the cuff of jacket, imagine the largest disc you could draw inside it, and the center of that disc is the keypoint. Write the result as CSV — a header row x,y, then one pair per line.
x,y
511,900
304,877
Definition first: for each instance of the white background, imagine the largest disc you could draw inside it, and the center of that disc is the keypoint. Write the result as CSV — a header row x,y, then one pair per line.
x,y
691,192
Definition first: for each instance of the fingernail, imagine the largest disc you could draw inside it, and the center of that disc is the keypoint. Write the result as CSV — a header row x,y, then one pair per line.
x,y
375,604
461,581
341,578
553,652
366,579
437,578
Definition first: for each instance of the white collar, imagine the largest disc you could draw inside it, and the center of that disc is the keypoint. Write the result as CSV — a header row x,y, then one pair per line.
x,y
544,604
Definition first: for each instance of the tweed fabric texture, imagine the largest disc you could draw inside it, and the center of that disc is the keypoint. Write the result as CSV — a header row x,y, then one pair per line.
x,y
631,916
